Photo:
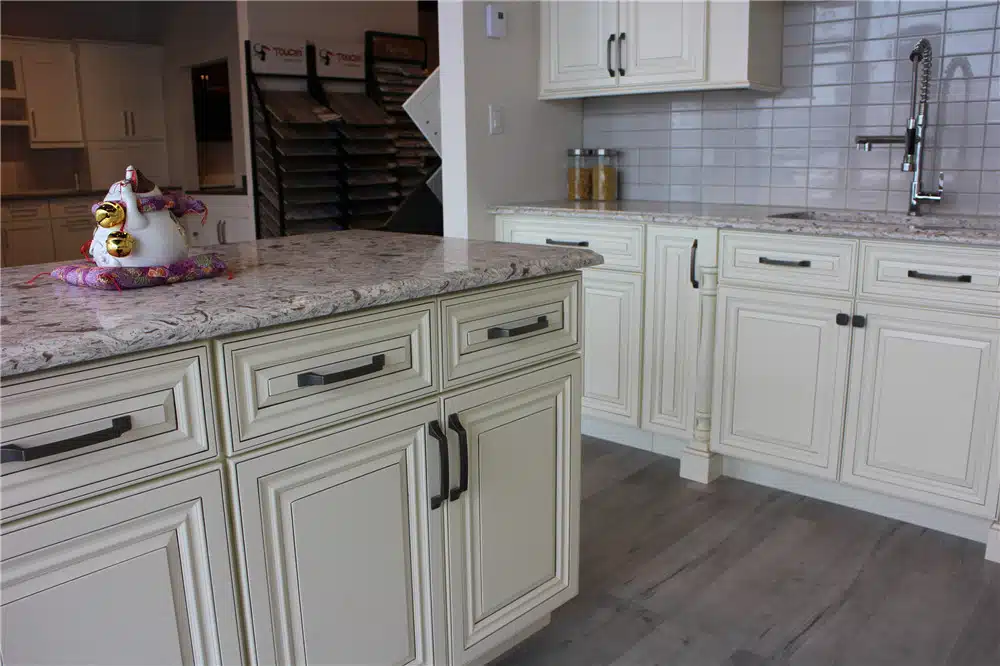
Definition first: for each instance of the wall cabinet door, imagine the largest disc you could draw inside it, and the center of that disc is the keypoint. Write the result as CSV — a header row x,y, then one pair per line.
x,y
107,162
144,578
104,91
671,327
781,379
145,94
150,157
922,421
336,539
51,93
513,534
578,46
28,242
612,345
664,42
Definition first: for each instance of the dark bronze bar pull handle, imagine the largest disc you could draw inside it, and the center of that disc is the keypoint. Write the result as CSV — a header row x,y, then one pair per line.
x,y
940,278
801,263
14,453
463,457
435,429
550,241
694,254
621,40
500,332
316,379
611,40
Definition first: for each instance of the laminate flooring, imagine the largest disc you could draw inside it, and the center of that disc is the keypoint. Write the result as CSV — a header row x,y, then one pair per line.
x,y
734,574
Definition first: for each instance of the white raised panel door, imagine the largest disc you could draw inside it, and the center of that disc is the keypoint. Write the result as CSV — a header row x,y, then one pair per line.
x,y
142,577
513,535
107,162
104,92
922,420
671,327
612,311
781,379
150,157
51,94
145,93
577,39
237,229
662,42
336,533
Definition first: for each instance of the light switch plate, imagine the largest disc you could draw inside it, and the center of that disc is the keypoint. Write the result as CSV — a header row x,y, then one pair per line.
x,y
496,21
496,119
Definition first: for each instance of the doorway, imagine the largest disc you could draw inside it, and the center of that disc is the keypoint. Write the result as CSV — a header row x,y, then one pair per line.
x,y
213,124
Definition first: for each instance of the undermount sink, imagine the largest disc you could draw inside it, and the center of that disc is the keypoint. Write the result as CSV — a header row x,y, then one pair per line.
x,y
935,223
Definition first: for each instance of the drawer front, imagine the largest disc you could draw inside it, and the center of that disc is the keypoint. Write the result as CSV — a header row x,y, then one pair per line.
x,y
103,425
78,207
621,244
24,210
307,377
499,330
826,265
938,275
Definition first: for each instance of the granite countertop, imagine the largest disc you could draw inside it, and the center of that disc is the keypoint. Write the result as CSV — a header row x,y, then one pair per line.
x,y
277,281
967,229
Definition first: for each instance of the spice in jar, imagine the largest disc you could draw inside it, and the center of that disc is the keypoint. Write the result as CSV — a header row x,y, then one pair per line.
x,y
605,175
579,177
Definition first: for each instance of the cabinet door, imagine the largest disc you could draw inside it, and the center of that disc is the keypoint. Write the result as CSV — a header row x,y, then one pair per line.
x,y
664,42
68,236
336,533
578,47
671,327
150,157
145,93
781,379
104,90
612,311
108,161
141,578
51,92
513,534
922,421
28,243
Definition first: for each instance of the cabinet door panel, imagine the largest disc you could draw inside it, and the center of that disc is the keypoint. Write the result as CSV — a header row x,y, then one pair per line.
x,y
51,93
612,346
108,162
103,90
665,42
781,379
575,48
150,157
925,388
144,579
145,94
336,534
28,243
69,235
513,533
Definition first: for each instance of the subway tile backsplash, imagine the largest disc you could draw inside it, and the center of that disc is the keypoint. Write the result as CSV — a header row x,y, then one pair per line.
x,y
845,73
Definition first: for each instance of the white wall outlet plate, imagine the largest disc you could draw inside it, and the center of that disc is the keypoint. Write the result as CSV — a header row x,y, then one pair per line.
x,y
496,21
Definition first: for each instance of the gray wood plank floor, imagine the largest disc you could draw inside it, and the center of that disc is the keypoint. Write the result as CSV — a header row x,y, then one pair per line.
x,y
732,574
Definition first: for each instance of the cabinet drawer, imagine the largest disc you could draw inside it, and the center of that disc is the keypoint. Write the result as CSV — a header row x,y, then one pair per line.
x,y
799,264
24,210
142,416
306,377
950,277
620,244
499,330
78,207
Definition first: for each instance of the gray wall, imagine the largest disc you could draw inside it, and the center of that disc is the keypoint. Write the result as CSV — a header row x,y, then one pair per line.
x,y
845,72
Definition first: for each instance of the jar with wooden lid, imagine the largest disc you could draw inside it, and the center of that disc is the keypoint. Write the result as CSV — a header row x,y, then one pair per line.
x,y
579,176
605,175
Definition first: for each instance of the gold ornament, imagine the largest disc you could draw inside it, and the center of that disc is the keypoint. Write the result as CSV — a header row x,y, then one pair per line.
x,y
110,214
120,243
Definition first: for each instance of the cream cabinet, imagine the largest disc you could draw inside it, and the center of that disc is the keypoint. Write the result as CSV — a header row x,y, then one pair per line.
x,y
630,46
51,94
122,91
27,242
922,416
108,160
139,577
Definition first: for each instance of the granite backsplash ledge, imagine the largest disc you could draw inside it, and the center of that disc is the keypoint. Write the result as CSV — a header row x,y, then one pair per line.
x,y
845,73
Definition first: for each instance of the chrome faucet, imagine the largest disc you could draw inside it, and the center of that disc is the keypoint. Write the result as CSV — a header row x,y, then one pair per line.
x,y
916,126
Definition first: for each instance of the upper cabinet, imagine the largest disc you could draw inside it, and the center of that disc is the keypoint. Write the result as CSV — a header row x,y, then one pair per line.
x,y
51,94
122,91
626,46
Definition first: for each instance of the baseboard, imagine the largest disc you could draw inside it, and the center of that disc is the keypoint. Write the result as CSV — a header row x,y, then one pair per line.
x,y
512,642
983,530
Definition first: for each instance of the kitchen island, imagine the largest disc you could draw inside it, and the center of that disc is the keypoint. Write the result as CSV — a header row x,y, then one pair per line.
x,y
362,448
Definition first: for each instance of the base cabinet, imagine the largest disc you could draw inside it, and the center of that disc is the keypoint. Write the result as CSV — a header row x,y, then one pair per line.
x,y
612,365
513,532
144,578
336,538
781,378
922,419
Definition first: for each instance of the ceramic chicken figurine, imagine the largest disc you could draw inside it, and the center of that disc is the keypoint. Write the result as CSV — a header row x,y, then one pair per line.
x,y
137,224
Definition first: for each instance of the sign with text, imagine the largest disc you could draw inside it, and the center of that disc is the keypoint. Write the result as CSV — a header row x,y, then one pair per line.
x,y
340,58
278,55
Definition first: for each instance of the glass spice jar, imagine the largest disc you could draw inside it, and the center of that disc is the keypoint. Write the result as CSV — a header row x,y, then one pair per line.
x,y
579,177
605,174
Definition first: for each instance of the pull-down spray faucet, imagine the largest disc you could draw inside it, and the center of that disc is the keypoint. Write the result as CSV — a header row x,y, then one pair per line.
x,y
916,127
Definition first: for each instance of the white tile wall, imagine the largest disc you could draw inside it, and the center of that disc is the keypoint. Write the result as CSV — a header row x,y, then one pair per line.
x,y
845,72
